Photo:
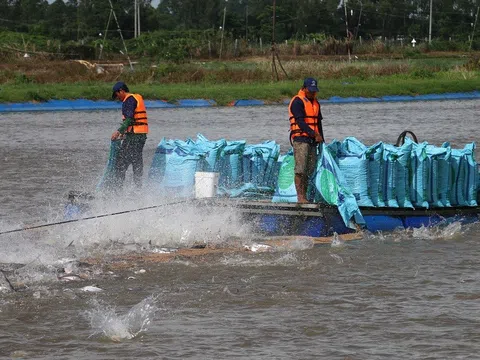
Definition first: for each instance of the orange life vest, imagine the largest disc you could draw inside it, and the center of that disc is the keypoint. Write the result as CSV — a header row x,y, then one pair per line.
x,y
140,121
312,110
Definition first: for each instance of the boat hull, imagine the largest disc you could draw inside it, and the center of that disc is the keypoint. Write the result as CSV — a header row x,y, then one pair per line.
x,y
319,220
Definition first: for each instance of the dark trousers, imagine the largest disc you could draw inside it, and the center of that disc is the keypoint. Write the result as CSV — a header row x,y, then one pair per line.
x,y
131,152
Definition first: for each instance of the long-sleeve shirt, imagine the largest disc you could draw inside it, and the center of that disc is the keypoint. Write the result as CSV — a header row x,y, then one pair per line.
x,y
298,111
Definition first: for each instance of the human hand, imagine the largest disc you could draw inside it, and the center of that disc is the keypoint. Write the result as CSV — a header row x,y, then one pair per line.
x,y
318,138
115,135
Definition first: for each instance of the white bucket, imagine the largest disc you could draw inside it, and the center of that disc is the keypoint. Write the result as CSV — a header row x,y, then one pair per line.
x,y
206,184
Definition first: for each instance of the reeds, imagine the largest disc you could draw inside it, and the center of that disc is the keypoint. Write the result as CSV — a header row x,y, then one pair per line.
x,y
29,70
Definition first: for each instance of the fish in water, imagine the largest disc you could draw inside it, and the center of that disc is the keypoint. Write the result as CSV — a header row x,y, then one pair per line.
x,y
91,288
70,277
5,284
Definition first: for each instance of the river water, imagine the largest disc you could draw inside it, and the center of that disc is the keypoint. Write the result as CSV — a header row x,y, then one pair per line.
x,y
402,295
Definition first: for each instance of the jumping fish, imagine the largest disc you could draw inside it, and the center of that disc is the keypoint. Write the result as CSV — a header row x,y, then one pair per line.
x,y
258,247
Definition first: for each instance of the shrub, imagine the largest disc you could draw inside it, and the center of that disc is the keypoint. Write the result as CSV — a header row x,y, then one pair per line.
x,y
22,79
445,45
423,73
412,53
473,64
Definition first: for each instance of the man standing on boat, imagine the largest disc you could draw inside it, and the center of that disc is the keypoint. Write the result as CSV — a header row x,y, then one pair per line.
x,y
306,134
133,133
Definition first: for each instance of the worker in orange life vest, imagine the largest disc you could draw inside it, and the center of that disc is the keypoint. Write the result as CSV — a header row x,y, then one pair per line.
x,y
133,131
306,134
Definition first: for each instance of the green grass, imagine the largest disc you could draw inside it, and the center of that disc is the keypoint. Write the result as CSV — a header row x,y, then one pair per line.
x,y
398,84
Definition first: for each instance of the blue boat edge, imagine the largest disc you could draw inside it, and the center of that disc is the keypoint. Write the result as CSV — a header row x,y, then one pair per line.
x,y
321,220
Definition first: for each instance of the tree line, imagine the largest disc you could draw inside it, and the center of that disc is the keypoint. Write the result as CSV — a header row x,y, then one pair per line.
x,y
78,20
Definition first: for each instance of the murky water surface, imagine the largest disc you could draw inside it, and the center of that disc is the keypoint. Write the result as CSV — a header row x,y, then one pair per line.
x,y
404,295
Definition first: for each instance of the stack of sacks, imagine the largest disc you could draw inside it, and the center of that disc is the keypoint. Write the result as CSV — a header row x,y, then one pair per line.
x,y
230,165
374,155
285,186
212,150
430,172
160,159
351,159
174,165
260,163
442,176
241,168
439,159
412,175
395,177
382,175
463,181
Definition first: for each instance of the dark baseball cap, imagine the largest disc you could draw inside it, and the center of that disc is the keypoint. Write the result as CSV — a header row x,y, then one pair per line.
x,y
310,84
117,87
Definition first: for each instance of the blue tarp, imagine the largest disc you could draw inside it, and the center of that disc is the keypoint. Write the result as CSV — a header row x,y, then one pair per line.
x,y
195,103
332,187
248,103
84,104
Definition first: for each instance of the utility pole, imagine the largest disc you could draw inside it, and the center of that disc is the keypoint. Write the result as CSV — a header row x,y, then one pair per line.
x,y
430,25
274,49
136,6
105,34
346,28
246,20
138,19
474,25
120,33
223,29
359,19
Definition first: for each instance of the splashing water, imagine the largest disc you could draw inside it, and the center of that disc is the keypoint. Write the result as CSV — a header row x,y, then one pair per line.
x,y
105,320
439,232
286,259
175,225
337,258
448,232
336,241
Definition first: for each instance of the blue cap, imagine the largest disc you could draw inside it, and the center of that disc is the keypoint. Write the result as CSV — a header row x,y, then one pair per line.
x,y
117,87
310,84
